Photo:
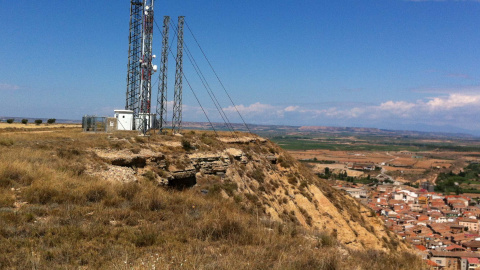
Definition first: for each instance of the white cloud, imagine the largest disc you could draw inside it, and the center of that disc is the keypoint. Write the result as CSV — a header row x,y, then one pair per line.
x,y
258,111
399,108
450,109
291,108
453,101
254,108
5,86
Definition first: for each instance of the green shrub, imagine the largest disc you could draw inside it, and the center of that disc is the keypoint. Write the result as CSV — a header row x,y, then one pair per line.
x,y
252,197
238,198
51,121
186,145
225,229
257,174
145,238
10,121
38,121
68,153
7,198
305,214
150,175
128,190
206,139
24,121
230,188
15,174
6,142
285,162
139,139
303,185
96,193
41,194
155,203
292,179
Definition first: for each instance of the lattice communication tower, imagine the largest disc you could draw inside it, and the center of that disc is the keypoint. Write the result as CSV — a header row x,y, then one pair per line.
x,y
177,99
140,68
162,87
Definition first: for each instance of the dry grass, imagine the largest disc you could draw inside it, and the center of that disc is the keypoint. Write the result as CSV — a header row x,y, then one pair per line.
x,y
73,220
34,126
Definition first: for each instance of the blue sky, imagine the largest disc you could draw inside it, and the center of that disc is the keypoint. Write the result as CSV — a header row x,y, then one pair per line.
x,y
372,63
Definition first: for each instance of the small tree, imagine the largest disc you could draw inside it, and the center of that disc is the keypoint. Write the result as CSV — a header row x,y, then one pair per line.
x,y
9,121
51,121
38,121
24,121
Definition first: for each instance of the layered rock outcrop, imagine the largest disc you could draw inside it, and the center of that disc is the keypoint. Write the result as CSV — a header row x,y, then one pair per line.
x,y
261,176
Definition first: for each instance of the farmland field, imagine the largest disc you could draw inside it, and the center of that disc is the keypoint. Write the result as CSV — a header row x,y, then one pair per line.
x,y
408,157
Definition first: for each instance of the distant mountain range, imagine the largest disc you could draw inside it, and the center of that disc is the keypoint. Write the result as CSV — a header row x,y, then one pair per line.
x,y
415,130
275,129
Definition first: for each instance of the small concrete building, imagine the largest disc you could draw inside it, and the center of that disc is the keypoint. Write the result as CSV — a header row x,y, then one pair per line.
x,y
356,192
124,119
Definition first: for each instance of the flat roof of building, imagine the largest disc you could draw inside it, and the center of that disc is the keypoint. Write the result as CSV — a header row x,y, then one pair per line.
x,y
123,111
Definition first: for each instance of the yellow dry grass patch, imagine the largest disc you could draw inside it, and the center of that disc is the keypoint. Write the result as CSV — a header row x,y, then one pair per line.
x,y
34,126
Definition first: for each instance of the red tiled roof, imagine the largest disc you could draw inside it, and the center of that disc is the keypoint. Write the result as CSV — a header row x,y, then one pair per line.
x,y
438,204
467,219
421,247
422,217
454,254
458,205
472,244
473,260
452,247
456,201
457,196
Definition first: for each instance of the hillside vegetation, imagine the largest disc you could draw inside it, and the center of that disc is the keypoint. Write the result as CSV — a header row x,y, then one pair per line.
x,y
466,181
73,200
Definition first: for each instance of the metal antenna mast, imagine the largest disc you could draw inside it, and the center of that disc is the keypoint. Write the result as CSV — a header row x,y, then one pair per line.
x,y
177,102
147,67
162,87
134,56
140,68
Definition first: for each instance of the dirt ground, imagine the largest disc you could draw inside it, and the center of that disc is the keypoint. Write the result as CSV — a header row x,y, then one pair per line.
x,y
425,164
343,156
336,168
